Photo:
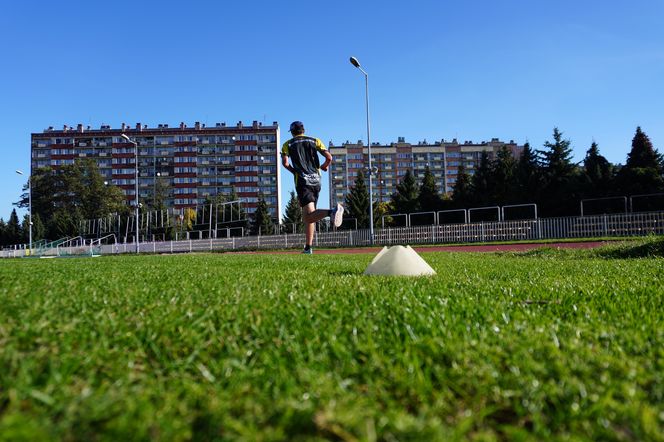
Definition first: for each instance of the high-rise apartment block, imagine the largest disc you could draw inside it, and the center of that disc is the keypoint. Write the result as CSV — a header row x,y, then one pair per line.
x,y
392,161
191,163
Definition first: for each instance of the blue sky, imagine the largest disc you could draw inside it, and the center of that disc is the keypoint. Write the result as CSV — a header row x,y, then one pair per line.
x,y
438,69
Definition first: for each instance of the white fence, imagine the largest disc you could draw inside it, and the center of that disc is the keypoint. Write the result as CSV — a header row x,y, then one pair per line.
x,y
620,225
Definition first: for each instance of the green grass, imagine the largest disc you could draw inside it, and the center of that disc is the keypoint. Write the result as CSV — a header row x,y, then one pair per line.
x,y
544,345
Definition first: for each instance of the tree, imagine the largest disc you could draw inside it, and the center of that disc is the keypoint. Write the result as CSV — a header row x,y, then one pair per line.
x,y
482,181
504,177
428,198
462,188
292,219
528,176
642,174
557,160
38,229
405,200
3,233
13,231
597,172
357,201
262,222
560,188
643,154
63,198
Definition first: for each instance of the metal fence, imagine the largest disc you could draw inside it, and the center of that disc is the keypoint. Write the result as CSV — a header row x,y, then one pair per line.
x,y
618,225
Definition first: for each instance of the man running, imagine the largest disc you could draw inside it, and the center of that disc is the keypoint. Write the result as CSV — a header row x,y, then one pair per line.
x,y
303,153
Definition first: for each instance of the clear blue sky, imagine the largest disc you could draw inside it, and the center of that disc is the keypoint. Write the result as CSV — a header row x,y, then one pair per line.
x,y
470,70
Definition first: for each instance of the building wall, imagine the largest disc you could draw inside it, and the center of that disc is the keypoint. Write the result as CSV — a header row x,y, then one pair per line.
x,y
391,161
193,163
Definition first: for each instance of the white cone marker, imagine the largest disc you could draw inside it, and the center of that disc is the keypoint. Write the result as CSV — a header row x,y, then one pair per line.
x,y
399,260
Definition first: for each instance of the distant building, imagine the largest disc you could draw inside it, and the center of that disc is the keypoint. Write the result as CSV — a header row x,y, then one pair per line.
x,y
393,160
193,163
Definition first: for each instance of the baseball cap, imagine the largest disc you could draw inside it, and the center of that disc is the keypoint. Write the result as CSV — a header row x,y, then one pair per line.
x,y
296,126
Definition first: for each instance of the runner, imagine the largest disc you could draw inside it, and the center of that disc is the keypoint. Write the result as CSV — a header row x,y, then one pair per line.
x,y
303,153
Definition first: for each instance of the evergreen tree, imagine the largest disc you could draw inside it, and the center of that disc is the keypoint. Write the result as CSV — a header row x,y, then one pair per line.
x,y
3,233
292,219
428,198
643,154
528,176
504,177
597,172
262,221
38,229
462,189
357,201
405,200
482,181
643,172
561,187
13,231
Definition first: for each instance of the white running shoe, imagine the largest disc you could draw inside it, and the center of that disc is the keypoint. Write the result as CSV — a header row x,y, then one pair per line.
x,y
338,215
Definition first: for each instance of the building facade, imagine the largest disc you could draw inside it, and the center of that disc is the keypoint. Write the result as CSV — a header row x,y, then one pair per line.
x,y
188,164
392,161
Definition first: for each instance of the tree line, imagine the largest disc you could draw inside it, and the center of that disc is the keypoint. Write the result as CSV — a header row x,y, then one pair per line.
x,y
547,177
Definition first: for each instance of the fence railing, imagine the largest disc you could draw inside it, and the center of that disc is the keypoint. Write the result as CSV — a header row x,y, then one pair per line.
x,y
618,225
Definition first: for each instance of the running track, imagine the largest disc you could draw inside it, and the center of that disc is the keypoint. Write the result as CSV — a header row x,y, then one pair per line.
x,y
470,248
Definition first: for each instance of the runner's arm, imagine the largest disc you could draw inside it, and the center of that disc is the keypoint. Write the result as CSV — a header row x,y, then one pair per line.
x,y
284,162
328,160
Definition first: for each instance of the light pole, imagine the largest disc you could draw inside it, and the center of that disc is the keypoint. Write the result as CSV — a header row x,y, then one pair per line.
x,y
135,185
29,208
356,63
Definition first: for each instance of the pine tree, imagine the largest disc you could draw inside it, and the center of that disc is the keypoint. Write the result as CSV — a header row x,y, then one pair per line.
x,y
504,177
357,201
13,231
428,198
262,221
644,170
292,220
561,187
3,233
462,189
482,181
597,172
643,154
557,160
528,176
404,200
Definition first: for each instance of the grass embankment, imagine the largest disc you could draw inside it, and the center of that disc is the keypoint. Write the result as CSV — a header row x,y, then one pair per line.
x,y
548,344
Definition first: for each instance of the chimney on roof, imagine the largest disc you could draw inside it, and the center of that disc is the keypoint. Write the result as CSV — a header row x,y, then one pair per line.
x,y
239,124
123,127
197,125
254,123
182,125
79,127
138,126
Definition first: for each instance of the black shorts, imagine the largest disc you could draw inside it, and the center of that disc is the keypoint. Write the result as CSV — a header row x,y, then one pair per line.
x,y
307,194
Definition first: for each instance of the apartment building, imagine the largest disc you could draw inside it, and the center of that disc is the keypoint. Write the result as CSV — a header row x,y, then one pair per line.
x,y
190,163
391,161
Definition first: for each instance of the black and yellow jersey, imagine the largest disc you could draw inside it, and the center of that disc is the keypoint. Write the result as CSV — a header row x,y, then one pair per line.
x,y
303,153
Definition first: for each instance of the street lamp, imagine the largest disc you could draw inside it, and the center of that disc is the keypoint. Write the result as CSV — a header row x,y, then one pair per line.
x,y
356,63
29,208
135,184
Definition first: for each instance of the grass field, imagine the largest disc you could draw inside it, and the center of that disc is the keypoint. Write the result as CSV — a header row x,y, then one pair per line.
x,y
548,344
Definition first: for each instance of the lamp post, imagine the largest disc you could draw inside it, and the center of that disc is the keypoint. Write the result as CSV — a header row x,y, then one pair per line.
x,y
356,63
135,185
29,208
